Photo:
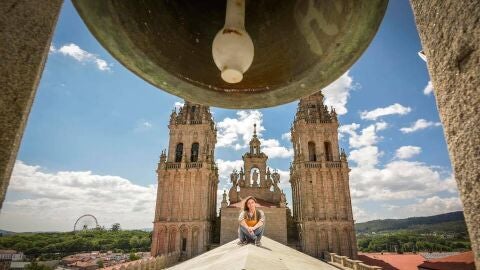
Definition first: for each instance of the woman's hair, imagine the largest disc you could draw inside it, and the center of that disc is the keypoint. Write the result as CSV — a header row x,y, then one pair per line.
x,y
245,206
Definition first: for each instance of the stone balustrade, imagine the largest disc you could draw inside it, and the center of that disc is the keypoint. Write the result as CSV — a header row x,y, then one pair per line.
x,y
194,165
346,263
178,165
327,164
172,165
160,262
313,164
333,164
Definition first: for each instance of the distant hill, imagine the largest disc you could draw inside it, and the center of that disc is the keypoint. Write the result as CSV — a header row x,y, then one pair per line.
x,y
453,222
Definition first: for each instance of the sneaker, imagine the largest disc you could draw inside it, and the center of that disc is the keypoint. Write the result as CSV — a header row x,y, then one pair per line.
x,y
241,242
258,243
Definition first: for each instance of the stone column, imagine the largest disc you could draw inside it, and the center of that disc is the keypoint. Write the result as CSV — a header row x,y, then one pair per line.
x,y
450,35
25,34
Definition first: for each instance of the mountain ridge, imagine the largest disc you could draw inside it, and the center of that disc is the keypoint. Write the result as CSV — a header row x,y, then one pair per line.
x,y
448,222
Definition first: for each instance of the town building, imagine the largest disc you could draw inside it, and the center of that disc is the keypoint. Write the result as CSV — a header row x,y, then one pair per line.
x,y
462,261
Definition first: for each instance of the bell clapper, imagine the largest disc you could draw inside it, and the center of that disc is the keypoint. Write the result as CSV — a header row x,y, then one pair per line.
x,y
232,47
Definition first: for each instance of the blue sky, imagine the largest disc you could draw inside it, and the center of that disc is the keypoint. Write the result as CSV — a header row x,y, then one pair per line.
x,y
96,130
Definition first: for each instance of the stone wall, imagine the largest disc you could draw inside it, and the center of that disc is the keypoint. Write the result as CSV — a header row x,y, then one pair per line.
x,y
275,224
450,35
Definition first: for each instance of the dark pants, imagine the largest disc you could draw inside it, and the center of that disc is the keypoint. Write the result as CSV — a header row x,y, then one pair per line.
x,y
244,235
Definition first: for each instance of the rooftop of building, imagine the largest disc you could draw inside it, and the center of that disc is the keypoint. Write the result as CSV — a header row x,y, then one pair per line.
x,y
462,261
271,255
392,261
7,251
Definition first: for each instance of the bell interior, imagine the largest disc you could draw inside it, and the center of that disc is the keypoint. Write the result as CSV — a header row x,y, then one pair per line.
x,y
300,46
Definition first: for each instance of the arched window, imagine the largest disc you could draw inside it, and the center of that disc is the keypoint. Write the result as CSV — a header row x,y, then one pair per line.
x,y
328,151
183,237
171,240
179,152
194,153
312,156
195,241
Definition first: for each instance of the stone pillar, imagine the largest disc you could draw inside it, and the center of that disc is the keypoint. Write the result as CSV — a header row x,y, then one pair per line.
x,y
25,36
450,36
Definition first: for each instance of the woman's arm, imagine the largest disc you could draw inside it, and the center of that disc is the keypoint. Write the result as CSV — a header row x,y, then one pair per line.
x,y
258,225
244,224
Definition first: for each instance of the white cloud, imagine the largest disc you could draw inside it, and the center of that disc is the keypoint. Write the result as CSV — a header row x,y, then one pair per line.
x,y
52,48
397,180
419,125
147,124
379,112
179,105
142,125
428,89
362,215
273,149
407,151
429,206
237,133
368,136
365,157
81,55
56,199
225,168
284,179
348,128
381,126
287,136
337,93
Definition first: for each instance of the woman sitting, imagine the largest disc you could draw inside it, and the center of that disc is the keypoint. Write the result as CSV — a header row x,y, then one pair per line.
x,y
252,223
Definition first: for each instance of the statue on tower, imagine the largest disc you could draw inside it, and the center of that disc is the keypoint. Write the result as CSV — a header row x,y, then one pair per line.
x,y
255,178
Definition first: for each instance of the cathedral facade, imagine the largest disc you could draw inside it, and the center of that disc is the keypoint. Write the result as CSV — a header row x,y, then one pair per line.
x,y
322,207
188,180
187,184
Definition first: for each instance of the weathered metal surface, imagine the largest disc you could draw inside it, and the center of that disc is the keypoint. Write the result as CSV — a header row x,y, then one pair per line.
x,y
300,46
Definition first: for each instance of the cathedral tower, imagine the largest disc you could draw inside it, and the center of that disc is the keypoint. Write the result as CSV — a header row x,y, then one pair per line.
x,y
322,207
187,184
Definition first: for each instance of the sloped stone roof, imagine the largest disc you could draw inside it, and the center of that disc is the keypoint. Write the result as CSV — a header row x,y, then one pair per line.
x,y
271,255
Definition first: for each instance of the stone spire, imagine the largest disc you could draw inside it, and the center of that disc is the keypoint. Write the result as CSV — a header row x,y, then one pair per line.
x,y
311,109
192,113
224,203
255,142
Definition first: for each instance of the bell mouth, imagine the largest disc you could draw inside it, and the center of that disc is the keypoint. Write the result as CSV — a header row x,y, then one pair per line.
x,y
300,46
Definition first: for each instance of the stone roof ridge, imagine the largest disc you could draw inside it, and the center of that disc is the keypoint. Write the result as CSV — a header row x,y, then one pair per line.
x,y
271,255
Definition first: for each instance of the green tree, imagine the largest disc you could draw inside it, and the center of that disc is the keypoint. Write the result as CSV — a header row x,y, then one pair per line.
x,y
115,227
133,257
134,242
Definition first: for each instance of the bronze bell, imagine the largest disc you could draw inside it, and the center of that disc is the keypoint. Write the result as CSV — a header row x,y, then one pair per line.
x,y
299,46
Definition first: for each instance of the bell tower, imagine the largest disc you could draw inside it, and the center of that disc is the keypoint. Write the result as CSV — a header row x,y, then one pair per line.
x,y
187,184
322,207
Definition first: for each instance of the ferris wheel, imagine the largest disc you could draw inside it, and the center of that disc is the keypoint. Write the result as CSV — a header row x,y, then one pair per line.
x,y
85,222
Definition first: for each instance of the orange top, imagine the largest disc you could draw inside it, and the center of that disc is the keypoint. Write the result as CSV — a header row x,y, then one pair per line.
x,y
251,222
